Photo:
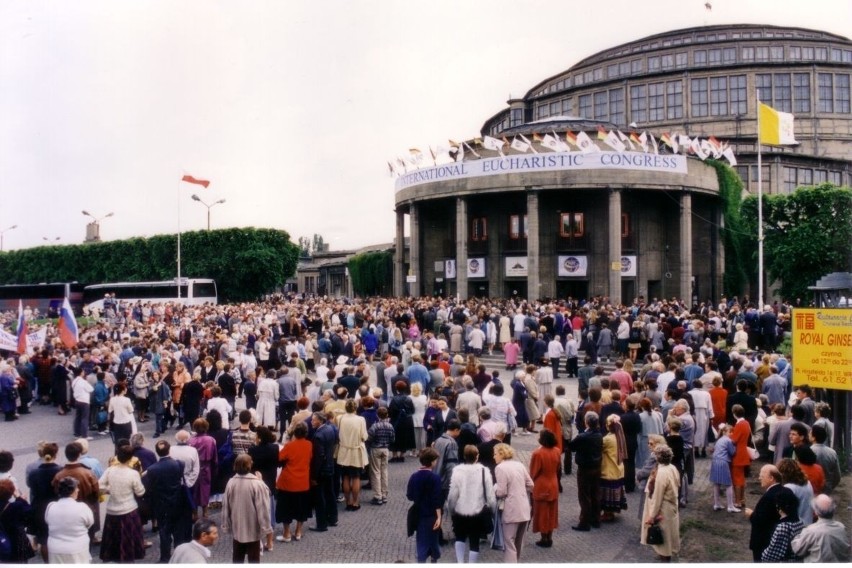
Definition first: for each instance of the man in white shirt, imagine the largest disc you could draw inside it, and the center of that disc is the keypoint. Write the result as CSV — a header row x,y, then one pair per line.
x,y
205,533
81,391
187,455
554,353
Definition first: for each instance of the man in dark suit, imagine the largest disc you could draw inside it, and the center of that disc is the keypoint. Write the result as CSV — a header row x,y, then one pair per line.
x,y
745,400
588,450
166,493
764,516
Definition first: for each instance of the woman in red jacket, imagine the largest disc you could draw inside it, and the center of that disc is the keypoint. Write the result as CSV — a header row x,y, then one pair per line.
x,y
740,436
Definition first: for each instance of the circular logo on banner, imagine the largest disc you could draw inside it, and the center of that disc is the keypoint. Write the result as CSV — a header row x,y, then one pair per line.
x,y
474,266
571,264
625,264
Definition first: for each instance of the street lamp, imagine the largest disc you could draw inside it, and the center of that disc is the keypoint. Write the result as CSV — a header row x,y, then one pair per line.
x,y
4,232
93,232
210,206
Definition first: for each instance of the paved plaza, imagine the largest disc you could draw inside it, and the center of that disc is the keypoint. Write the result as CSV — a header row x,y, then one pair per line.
x,y
376,534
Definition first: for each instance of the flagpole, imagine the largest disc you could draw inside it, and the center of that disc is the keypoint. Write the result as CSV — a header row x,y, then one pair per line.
x,y
759,211
178,239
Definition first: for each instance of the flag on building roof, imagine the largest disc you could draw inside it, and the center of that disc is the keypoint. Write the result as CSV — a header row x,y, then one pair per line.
x,y
776,128
602,133
550,142
728,154
536,137
684,141
491,143
525,139
642,140
635,138
709,148
695,146
402,164
613,142
189,179
669,141
654,144
416,156
391,171
477,141
623,137
571,138
471,150
585,144
23,329
519,145
68,331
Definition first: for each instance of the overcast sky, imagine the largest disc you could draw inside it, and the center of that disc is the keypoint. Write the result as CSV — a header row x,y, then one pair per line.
x,y
290,108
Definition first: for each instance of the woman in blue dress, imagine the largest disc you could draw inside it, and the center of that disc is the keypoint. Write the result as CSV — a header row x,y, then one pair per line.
x,y
720,469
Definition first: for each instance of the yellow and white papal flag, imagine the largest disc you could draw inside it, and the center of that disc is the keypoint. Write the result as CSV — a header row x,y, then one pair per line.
x,y
776,128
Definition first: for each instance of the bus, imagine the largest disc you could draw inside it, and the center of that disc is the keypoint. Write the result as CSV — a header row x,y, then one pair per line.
x,y
193,292
47,298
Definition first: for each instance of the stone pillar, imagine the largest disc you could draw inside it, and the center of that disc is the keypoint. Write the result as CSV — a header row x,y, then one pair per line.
x,y
414,250
685,290
533,246
399,256
614,264
461,248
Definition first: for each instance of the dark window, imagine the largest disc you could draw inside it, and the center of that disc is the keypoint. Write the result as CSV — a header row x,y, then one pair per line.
x,y
571,225
479,229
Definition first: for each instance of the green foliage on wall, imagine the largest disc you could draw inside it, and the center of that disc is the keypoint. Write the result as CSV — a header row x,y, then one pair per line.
x,y
807,234
372,273
246,263
733,233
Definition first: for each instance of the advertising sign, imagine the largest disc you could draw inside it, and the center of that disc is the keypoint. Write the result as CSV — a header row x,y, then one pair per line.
x,y
450,268
822,347
628,266
516,266
476,267
573,265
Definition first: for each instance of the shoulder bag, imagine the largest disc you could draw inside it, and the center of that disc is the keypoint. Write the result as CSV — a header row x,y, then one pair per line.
x,y
486,515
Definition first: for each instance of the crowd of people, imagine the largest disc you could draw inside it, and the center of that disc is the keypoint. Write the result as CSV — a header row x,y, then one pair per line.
x,y
334,391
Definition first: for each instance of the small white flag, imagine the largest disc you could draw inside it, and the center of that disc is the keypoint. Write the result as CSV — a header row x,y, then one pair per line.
x,y
728,154
643,140
695,146
495,144
623,137
613,142
585,144
550,142
654,144
519,145
524,138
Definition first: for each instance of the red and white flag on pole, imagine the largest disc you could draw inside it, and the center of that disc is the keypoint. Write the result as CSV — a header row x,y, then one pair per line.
x,y
189,179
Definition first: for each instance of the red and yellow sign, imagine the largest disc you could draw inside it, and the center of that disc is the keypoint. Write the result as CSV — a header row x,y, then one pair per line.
x,y
822,348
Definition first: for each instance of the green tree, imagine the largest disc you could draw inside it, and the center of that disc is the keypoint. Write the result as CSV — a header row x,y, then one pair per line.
x,y
807,234
246,263
733,233
371,273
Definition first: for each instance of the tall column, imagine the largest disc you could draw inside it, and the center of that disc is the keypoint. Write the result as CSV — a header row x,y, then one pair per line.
x,y
614,264
399,256
533,245
461,248
685,291
414,250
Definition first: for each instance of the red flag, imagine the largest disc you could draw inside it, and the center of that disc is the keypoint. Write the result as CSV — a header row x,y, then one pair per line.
x,y
190,179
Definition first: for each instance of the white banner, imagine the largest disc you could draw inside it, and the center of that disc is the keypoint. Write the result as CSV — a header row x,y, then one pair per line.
x,y
628,266
35,340
476,267
450,268
573,265
675,164
516,266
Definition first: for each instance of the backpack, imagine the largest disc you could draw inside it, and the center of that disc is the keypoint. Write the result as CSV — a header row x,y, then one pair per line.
x,y
226,452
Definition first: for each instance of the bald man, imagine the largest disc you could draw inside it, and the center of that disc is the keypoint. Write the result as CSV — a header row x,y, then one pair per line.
x,y
764,516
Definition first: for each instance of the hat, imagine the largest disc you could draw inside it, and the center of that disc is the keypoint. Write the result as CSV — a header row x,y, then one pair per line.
x,y
342,360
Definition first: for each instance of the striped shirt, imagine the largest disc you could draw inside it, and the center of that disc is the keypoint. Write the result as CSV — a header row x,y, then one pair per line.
x,y
381,434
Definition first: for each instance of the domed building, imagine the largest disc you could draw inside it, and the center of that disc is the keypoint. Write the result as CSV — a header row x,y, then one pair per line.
x,y
539,220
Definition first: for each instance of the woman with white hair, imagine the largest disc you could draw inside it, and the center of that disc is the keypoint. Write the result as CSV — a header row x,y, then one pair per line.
x,y
741,339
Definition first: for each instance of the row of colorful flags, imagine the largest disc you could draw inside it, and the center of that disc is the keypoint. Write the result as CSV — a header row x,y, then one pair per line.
x,y
26,342
610,140
776,129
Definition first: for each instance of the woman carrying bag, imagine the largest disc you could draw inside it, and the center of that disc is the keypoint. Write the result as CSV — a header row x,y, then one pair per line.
x,y
471,504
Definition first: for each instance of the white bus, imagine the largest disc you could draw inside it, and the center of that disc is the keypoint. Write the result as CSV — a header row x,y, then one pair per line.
x,y
193,292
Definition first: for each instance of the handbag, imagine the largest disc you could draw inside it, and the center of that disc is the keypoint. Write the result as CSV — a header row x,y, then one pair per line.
x,y
486,515
497,542
753,452
654,534
412,519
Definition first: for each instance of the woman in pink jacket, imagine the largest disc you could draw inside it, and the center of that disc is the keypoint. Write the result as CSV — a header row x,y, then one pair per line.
x,y
513,487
